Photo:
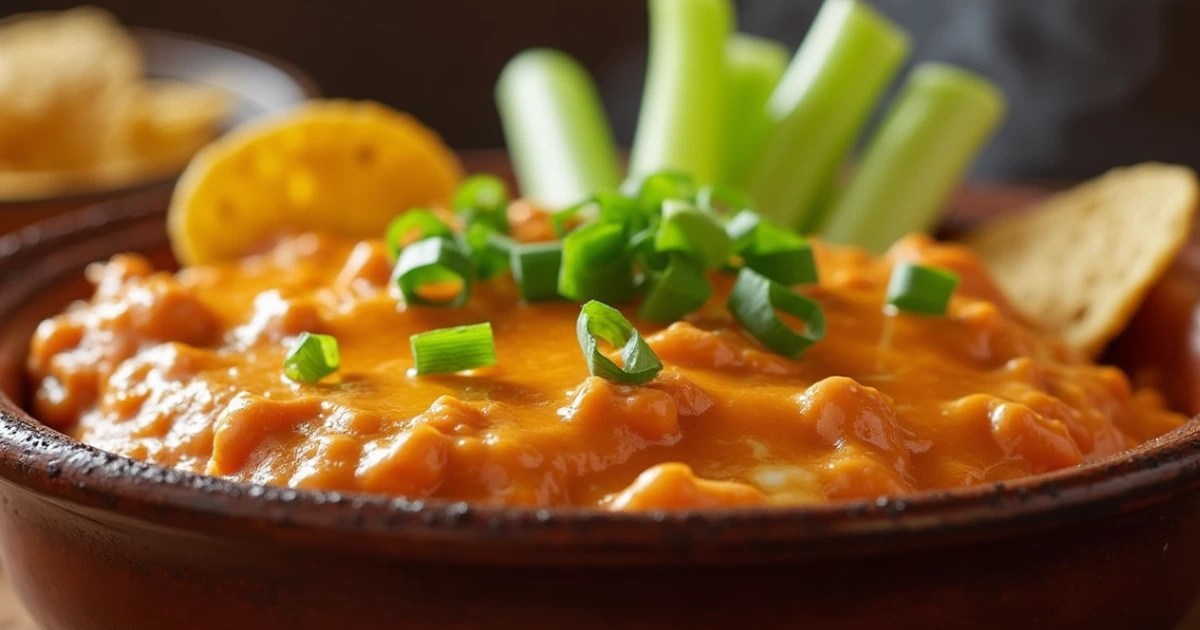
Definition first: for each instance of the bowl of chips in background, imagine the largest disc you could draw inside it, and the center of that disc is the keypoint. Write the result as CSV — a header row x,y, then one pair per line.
x,y
91,110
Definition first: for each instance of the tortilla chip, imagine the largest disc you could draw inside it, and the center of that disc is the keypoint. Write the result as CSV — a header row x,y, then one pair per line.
x,y
338,166
1080,263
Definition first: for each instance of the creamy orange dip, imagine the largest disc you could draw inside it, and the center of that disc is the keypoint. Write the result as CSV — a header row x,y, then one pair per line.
x,y
185,370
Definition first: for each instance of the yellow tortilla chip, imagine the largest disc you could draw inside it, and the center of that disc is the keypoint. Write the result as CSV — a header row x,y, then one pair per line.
x,y
1080,263
336,166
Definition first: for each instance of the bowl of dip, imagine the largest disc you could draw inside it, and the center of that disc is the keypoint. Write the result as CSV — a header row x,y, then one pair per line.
x,y
279,526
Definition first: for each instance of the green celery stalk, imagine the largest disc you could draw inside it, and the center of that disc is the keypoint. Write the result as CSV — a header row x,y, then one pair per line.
x,y
753,67
841,70
930,135
558,136
679,128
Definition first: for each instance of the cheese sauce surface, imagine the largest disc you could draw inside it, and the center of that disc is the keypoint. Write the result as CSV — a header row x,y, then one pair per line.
x,y
185,370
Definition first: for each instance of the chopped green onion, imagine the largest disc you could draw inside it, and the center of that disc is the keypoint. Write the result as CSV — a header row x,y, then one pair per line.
x,y
558,135
652,190
742,229
617,208
674,292
920,289
753,67
489,249
932,132
693,232
723,199
415,225
820,106
679,127
596,265
754,302
496,221
312,358
433,266
645,254
483,198
605,206
560,219
598,320
535,270
449,350
482,192
781,255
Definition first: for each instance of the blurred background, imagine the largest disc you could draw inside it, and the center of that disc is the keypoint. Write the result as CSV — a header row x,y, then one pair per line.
x,y
1091,83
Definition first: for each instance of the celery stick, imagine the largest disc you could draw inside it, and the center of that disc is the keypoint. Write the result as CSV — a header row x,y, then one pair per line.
x,y
826,96
679,127
561,145
753,66
929,137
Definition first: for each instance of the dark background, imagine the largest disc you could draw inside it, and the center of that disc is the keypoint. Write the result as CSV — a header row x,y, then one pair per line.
x,y
1091,83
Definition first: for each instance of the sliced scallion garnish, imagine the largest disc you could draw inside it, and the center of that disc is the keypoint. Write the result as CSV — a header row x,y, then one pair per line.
x,y
605,206
596,265
415,225
312,358
617,208
600,321
754,302
781,255
674,292
723,199
742,229
693,232
656,188
481,192
449,350
483,198
919,289
489,249
434,272
561,219
535,270
645,254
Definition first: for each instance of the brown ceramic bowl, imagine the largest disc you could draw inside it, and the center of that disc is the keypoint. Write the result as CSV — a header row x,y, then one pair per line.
x,y
94,540
256,83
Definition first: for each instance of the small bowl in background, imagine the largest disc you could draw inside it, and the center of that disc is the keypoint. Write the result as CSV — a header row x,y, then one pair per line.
x,y
256,84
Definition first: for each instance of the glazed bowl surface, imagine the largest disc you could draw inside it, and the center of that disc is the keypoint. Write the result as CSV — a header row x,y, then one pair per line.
x,y
255,82
94,540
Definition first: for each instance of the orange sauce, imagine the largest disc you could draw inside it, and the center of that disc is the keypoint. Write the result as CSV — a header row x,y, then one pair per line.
x,y
185,370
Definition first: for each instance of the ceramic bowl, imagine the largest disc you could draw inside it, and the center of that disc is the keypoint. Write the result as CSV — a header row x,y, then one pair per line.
x,y
257,84
94,540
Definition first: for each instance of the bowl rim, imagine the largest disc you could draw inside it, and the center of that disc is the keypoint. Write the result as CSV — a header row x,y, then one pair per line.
x,y
307,84
82,478
84,195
